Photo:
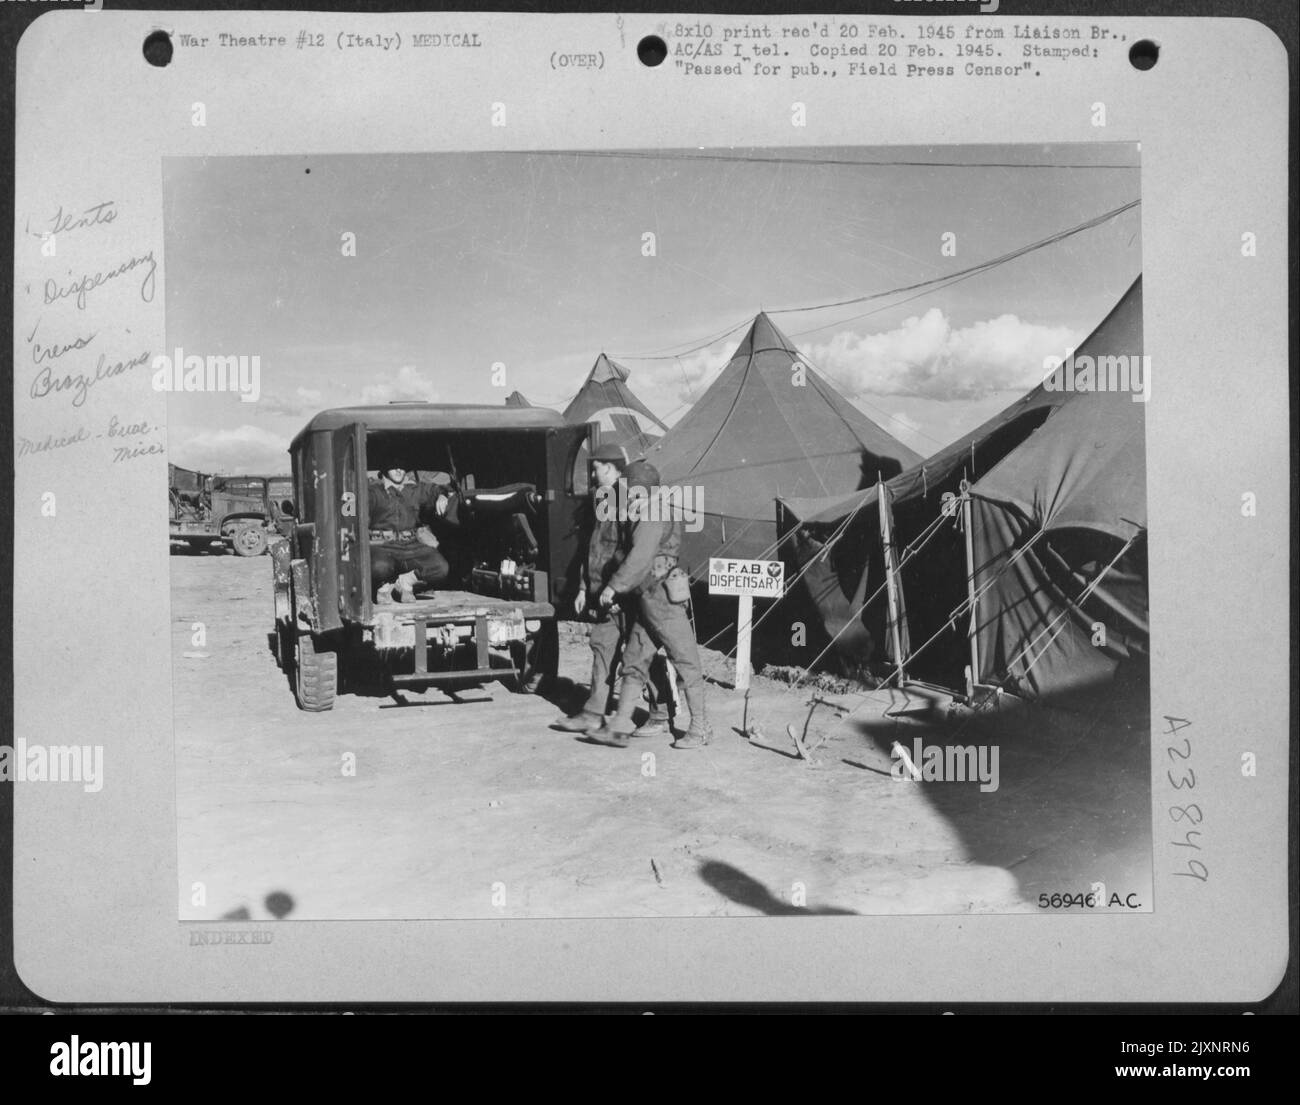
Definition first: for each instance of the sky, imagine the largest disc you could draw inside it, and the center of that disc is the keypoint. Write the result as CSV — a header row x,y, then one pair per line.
x,y
537,261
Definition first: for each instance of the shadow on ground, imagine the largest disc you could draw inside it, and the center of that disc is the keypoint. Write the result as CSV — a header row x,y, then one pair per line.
x,y
1072,805
744,890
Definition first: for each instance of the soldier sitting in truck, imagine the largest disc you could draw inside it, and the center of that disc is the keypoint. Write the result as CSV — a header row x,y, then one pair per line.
x,y
403,544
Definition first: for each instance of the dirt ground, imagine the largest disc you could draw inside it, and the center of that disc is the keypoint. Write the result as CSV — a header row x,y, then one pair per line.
x,y
477,808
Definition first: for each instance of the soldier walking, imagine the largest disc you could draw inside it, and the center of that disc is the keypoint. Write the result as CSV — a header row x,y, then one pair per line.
x,y
610,623
654,543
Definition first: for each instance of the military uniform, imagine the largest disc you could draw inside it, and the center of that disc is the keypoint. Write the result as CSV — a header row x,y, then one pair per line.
x,y
395,514
608,628
610,624
654,547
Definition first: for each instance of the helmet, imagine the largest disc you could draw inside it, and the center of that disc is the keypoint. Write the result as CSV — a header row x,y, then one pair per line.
x,y
641,473
611,454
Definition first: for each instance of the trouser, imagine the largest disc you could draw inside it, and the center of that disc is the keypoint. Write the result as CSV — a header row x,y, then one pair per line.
x,y
661,624
390,559
608,640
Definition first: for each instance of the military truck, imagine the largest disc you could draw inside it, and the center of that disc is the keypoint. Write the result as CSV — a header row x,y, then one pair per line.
x,y
279,491
238,512
521,478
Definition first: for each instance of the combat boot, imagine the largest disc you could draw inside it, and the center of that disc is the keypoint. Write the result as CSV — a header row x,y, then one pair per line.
x,y
582,722
699,732
616,730
658,724
696,736
404,588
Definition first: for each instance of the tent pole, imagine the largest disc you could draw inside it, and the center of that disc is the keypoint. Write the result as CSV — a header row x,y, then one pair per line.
x,y
973,673
891,576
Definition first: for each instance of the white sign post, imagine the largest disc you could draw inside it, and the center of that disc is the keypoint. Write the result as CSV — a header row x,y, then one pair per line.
x,y
745,579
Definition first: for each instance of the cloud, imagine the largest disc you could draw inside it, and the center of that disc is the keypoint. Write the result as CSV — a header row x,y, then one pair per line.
x,y
303,401
245,450
906,428
407,383
927,357
683,379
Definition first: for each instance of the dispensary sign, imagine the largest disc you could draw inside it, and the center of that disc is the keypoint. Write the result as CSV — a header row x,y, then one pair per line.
x,y
746,578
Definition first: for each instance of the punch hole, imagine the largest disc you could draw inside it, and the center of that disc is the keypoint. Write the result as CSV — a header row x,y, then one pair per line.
x,y
652,50
158,49
1143,54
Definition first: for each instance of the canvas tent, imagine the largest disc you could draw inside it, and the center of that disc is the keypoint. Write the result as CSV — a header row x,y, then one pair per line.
x,y
1021,545
605,398
516,399
769,425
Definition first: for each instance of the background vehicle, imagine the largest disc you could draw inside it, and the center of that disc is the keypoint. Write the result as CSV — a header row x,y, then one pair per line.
x,y
279,491
240,512
521,477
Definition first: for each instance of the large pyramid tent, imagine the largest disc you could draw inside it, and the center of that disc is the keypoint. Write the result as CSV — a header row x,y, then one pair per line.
x,y
768,426
517,399
1056,519
605,398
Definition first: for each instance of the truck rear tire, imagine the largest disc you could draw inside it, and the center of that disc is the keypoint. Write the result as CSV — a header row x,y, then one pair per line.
x,y
249,541
284,647
316,676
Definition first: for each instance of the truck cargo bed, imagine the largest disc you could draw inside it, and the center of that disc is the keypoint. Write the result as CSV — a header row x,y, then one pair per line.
x,y
437,607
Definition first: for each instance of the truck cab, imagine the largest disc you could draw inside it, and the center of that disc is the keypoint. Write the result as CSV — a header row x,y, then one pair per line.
x,y
279,494
239,512
520,477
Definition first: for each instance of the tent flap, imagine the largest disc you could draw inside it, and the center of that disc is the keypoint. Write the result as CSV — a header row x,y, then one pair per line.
x,y
1062,470
1040,631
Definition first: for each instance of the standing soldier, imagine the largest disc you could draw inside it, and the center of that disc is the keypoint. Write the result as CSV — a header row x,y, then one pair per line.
x,y
607,465
653,547
609,623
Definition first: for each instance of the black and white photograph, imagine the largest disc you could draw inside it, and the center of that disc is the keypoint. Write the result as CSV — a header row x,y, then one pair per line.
x,y
664,511
659,533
